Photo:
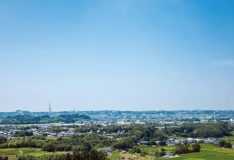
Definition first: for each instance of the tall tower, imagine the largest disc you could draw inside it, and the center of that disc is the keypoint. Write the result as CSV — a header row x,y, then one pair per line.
x,y
50,110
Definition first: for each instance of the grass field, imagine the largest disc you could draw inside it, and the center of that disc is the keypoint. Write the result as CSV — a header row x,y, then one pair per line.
x,y
9,151
151,150
115,155
13,152
209,152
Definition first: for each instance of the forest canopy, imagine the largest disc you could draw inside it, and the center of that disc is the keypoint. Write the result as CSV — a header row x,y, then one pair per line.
x,y
29,119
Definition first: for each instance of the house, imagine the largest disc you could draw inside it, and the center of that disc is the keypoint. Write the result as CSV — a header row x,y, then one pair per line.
x,y
213,140
198,140
157,142
179,141
191,140
139,122
170,142
144,142
169,155
173,142
109,149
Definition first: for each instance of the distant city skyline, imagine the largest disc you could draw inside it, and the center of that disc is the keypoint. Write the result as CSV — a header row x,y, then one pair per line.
x,y
134,110
116,55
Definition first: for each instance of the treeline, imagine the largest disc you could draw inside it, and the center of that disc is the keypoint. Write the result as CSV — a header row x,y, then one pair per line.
x,y
122,137
29,119
201,130
151,133
75,143
23,133
140,132
184,148
80,143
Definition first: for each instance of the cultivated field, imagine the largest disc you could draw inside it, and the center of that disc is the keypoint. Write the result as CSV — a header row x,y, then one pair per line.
x,y
208,152
13,152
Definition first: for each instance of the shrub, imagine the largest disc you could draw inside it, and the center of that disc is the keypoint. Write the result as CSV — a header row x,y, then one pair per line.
x,y
50,147
136,149
163,153
181,149
225,144
2,140
196,148
157,154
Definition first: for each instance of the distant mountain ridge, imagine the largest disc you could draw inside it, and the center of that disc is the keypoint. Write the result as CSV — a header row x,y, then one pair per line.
x,y
30,119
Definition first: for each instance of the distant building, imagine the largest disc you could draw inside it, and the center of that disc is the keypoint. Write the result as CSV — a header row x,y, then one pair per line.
x,y
144,142
204,121
139,122
109,149
123,123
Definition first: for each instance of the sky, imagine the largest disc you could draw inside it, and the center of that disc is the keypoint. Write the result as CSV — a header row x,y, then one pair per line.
x,y
116,54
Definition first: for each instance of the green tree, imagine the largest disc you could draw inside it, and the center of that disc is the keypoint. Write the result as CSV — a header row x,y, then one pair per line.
x,y
160,135
181,149
50,147
2,140
196,148
157,154
228,145
136,149
225,144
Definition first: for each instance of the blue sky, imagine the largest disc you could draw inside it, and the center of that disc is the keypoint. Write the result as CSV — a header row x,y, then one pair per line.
x,y
118,54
